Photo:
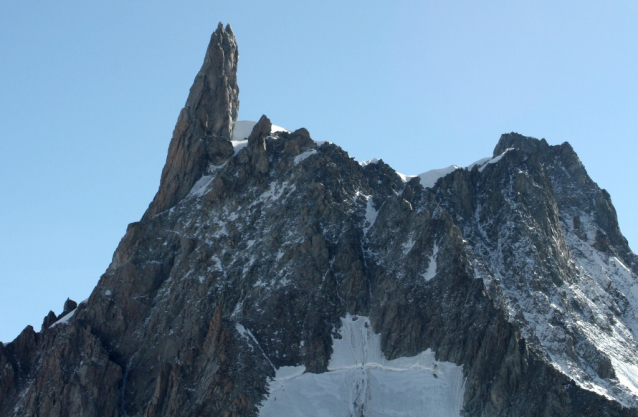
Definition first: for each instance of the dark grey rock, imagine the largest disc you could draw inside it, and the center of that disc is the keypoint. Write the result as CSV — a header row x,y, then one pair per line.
x,y
49,319
69,306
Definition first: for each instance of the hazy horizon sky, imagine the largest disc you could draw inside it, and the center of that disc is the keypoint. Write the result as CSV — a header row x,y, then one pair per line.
x,y
90,93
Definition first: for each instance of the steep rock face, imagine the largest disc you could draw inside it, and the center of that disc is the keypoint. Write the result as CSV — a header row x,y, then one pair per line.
x,y
540,234
204,128
248,261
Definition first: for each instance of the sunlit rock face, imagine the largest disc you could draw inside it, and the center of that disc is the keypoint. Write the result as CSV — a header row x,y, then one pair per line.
x,y
274,275
205,124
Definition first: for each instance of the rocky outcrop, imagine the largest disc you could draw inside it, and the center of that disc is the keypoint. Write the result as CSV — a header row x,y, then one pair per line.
x,y
205,124
257,145
49,319
69,306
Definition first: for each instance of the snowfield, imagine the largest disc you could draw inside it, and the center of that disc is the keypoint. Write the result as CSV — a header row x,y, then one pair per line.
x,y
361,381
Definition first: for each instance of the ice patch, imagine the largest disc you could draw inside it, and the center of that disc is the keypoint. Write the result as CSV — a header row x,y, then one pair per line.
x,y
361,381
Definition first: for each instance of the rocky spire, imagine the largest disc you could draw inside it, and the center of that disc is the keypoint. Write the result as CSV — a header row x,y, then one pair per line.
x,y
204,127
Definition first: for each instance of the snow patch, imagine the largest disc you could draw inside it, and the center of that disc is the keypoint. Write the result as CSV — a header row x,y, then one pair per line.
x,y
407,246
429,178
494,160
431,271
369,161
405,178
243,128
371,215
238,145
199,189
275,191
361,381
241,131
65,319
479,163
304,155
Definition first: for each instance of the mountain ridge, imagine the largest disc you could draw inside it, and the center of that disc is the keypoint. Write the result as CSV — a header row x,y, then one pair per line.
x,y
258,258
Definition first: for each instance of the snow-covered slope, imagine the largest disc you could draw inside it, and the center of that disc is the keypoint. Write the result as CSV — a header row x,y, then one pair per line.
x,y
539,230
361,382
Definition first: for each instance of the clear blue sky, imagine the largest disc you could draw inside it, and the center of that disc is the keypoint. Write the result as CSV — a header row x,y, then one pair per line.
x,y
89,96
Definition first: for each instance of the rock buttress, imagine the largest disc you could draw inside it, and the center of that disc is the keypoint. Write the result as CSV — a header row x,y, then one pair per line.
x,y
205,124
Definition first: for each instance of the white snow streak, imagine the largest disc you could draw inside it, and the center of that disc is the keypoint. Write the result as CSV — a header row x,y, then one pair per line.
x,y
304,155
431,272
371,215
429,178
199,189
494,160
65,319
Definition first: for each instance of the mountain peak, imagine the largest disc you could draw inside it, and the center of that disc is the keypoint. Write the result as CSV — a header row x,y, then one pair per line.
x,y
205,124
285,278
214,96
518,141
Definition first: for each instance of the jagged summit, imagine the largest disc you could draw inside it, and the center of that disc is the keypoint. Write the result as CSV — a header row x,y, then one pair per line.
x,y
518,141
205,124
213,102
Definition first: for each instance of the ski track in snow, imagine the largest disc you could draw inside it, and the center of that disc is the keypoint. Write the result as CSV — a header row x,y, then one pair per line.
x,y
361,381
